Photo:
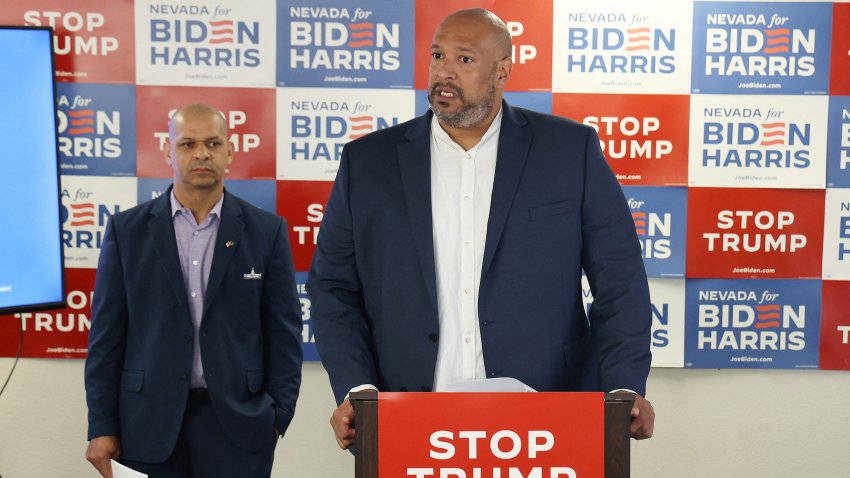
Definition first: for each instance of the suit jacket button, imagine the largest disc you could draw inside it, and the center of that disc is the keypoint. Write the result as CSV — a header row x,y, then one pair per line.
x,y
433,337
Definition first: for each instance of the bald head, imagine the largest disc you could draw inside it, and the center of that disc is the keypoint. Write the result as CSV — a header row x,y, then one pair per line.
x,y
499,34
196,110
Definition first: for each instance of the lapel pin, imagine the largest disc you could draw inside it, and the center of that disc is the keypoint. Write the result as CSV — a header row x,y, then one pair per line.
x,y
229,244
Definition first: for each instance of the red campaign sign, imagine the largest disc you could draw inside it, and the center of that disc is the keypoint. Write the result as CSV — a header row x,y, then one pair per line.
x,y
551,435
839,77
835,326
251,119
59,333
754,233
644,137
531,31
302,203
93,43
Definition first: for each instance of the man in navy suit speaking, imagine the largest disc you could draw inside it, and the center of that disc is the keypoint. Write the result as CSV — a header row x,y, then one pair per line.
x,y
194,361
452,246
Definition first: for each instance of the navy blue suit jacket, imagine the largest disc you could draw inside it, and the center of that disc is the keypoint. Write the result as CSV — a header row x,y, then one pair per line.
x,y
556,208
140,343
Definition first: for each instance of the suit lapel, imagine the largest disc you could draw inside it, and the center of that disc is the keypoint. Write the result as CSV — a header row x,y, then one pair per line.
x,y
514,141
229,231
161,228
414,162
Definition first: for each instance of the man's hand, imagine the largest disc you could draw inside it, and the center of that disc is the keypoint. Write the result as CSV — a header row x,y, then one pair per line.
x,y
342,421
100,451
643,419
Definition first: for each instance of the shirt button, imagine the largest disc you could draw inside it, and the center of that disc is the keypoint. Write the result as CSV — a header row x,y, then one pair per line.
x,y
467,198
468,156
467,243
194,294
194,263
466,291
195,233
467,340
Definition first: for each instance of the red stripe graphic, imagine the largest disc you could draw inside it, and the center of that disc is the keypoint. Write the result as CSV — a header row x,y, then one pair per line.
x,y
361,25
765,325
776,49
221,40
83,121
81,113
363,34
778,41
221,31
777,31
83,214
82,205
83,223
80,130
356,44
359,118
219,23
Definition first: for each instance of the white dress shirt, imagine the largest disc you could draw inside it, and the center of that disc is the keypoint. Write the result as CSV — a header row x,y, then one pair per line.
x,y
461,189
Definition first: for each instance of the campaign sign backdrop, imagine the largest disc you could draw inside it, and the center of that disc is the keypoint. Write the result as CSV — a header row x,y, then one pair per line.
x,y
315,124
668,322
87,204
668,319
536,434
345,43
644,137
308,338
761,47
92,43
97,129
660,221
59,333
836,235
205,43
839,68
621,47
758,141
752,323
838,143
250,115
835,326
755,233
302,203
530,29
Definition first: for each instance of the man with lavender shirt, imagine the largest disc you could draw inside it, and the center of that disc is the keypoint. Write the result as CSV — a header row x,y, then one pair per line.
x,y
194,360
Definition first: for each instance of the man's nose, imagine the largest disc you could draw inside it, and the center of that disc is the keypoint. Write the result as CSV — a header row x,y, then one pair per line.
x,y
201,152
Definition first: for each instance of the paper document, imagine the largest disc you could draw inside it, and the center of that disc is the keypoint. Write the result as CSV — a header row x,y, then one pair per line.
x,y
121,471
500,384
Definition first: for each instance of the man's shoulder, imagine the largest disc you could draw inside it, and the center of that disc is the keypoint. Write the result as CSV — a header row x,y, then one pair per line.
x,y
253,213
538,120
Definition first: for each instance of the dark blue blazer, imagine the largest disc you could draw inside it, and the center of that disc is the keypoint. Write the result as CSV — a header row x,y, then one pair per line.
x,y
140,343
556,209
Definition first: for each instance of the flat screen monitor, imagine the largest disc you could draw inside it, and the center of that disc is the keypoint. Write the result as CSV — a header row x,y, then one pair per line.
x,y
31,264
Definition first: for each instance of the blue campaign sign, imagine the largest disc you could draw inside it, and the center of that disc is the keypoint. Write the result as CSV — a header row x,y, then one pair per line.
x,y
308,339
345,43
97,129
660,216
838,143
761,48
769,323
537,101
262,194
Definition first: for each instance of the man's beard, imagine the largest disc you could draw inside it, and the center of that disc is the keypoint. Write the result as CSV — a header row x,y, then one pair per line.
x,y
470,113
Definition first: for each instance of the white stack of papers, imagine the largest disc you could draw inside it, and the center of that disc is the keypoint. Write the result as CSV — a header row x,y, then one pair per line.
x,y
500,384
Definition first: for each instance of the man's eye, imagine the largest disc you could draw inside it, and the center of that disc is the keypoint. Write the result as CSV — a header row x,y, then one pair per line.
x,y
436,56
213,144
466,59
187,145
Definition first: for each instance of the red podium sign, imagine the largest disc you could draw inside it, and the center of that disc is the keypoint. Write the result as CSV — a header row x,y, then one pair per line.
x,y
478,435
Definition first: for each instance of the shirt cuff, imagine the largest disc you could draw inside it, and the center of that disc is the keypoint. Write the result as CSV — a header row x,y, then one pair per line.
x,y
360,388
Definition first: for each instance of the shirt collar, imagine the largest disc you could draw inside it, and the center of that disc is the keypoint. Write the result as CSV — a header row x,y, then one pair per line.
x,y
176,207
439,133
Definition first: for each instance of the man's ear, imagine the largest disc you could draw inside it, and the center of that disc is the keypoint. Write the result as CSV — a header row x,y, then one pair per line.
x,y
166,151
503,70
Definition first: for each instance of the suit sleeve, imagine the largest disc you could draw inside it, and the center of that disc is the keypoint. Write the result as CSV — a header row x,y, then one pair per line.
x,y
107,339
343,336
282,326
620,317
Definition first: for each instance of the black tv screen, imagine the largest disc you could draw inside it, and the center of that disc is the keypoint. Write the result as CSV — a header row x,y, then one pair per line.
x,y
31,262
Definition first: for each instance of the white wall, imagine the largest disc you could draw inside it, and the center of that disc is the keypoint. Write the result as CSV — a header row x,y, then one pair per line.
x,y
711,423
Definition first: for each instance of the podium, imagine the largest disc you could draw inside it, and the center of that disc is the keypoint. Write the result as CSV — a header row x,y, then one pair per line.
x,y
617,418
